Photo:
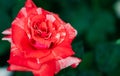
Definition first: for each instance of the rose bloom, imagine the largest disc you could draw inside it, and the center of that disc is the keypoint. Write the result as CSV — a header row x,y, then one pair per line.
x,y
40,42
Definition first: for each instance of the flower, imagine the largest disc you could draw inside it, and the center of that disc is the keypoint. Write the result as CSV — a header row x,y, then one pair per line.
x,y
40,42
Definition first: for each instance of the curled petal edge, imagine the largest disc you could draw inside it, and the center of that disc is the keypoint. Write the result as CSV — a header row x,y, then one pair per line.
x,y
7,32
69,61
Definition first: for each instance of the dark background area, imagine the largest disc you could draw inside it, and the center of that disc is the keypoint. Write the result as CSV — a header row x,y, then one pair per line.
x,y
98,39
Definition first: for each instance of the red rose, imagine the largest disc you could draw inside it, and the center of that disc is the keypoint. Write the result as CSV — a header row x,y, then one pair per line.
x,y
40,42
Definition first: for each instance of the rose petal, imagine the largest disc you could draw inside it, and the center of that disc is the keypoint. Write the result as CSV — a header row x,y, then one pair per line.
x,y
30,4
17,33
22,13
23,42
17,68
31,51
39,10
8,38
16,54
25,62
66,62
63,50
50,18
7,32
58,19
70,31
47,69
19,22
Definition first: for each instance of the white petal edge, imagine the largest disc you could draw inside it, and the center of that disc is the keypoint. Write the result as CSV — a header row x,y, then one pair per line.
x,y
71,30
39,10
23,11
69,61
7,32
50,17
8,39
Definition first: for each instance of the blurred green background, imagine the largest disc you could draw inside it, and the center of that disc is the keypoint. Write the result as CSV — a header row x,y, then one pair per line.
x,y
98,39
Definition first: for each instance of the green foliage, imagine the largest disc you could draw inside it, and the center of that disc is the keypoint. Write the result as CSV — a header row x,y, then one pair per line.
x,y
4,47
4,20
89,73
107,57
97,42
87,61
22,74
101,27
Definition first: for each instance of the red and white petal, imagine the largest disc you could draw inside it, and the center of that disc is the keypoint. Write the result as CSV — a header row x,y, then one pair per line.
x,y
30,4
70,31
58,19
22,13
50,18
69,61
39,11
8,38
17,34
7,32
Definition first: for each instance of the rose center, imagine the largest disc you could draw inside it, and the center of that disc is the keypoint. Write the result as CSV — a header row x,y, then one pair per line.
x,y
41,30
40,35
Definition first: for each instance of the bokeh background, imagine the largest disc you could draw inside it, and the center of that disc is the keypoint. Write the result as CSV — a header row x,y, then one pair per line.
x,y
97,42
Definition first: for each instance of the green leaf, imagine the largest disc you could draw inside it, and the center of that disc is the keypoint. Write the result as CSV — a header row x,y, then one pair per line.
x,y
23,74
89,73
115,72
104,21
107,57
78,48
4,47
118,41
87,61
45,4
106,3
67,72
95,37
17,7
4,20
103,25
80,18
7,4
